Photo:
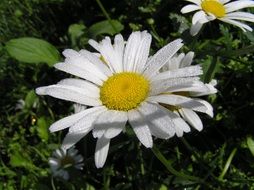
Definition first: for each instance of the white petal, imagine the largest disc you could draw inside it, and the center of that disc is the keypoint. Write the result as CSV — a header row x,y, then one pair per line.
x,y
187,60
161,122
192,118
96,61
140,128
236,5
209,108
72,138
101,151
241,16
161,58
69,93
79,72
243,26
83,84
180,125
189,8
195,28
68,53
119,50
70,120
198,17
137,51
160,86
110,123
224,1
180,101
203,90
178,73
87,121
197,2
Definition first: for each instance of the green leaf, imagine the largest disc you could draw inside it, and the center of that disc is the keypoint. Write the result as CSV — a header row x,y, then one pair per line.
x,y
19,160
250,144
30,99
105,27
75,31
42,129
32,50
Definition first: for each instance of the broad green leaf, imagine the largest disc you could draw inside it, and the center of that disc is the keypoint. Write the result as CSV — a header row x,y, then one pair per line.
x,y
42,128
250,144
105,27
32,50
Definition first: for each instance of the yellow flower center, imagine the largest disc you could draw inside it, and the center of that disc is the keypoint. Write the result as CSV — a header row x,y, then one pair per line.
x,y
124,91
214,7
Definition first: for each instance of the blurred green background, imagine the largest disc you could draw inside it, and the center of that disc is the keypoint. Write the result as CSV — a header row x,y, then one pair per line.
x,y
222,155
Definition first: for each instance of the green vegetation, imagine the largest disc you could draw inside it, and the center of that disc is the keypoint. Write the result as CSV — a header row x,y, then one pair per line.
x,y
220,157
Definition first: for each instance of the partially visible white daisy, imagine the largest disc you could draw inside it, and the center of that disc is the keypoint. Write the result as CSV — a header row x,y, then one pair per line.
x,y
62,160
193,89
119,86
223,10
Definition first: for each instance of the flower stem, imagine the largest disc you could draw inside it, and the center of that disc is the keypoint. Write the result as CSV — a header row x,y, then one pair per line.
x,y
211,69
52,183
229,160
168,165
106,14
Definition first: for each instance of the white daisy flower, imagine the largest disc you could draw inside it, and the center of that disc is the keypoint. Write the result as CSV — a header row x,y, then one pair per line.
x,y
122,86
193,89
62,159
223,10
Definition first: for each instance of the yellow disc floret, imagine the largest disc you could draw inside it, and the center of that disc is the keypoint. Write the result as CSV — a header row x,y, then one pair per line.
x,y
214,7
124,91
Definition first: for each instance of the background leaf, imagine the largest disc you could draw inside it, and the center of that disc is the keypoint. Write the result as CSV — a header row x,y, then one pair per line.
x,y
105,27
32,50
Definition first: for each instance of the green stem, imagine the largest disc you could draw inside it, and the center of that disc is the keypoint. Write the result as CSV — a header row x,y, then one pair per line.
x,y
52,183
210,71
168,165
226,167
106,14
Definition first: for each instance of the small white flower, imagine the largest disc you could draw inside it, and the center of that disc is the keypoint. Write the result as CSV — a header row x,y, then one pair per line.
x,y
62,159
193,89
122,85
223,10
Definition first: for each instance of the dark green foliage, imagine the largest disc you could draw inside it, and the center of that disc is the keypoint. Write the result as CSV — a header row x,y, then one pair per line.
x,y
222,155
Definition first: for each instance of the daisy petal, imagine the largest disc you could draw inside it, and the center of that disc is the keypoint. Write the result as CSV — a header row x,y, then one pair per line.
x,y
96,61
180,125
140,128
179,101
161,58
101,151
87,121
110,123
79,72
197,2
137,51
182,72
187,60
195,28
72,138
160,86
241,16
243,26
189,8
83,84
236,5
161,122
69,93
209,108
70,120
192,118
